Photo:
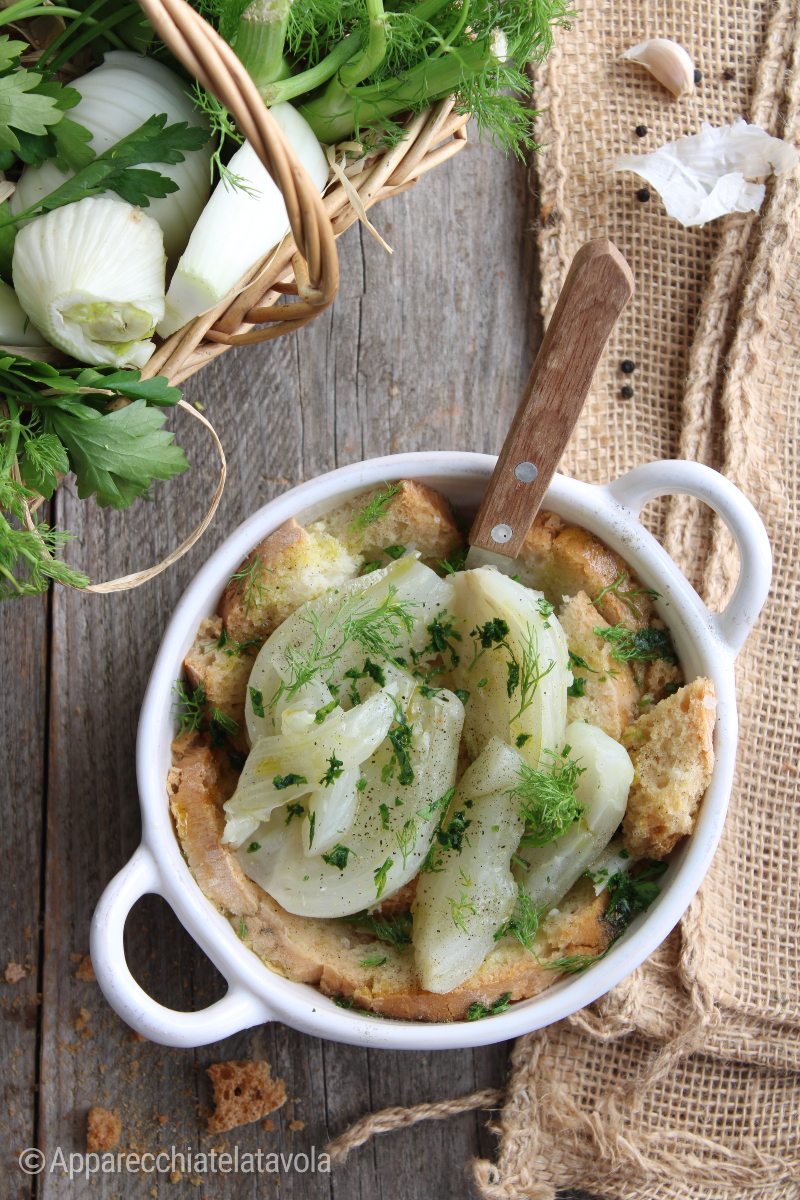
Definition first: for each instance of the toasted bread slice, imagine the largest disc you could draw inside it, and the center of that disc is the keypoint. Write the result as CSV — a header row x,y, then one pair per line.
x,y
415,516
560,560
290,567
610,696
672,752
223,669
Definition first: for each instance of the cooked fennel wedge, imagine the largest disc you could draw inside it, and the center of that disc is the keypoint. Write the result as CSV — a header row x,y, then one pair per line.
x,y
383,614
524,674
603,789
460,905
392,831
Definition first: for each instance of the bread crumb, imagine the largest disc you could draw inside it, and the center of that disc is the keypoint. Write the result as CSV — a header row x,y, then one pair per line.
x,y
175,1176
267,1125
243,1092
296,1126
85,971
15,972
103,1129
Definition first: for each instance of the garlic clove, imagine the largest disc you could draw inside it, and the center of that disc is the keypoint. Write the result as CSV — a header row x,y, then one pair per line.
x,y
91,277
668,62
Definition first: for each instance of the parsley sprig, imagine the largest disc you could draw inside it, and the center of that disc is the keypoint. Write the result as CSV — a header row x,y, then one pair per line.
x,y
641,645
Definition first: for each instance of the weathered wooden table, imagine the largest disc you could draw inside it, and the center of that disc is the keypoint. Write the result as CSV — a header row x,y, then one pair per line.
x,y
428,348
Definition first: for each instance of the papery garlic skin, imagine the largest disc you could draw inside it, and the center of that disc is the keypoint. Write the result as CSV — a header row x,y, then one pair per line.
x,y
236,229
116,98
16,327
90,275
668,62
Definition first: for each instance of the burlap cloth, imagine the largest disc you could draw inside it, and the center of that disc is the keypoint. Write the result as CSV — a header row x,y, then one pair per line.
x,y
683,1081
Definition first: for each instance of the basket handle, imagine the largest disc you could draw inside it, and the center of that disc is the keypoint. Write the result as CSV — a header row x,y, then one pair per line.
x,y
215,65
238,1009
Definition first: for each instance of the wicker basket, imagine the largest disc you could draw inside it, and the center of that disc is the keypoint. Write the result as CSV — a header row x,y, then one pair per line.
x,y
306,264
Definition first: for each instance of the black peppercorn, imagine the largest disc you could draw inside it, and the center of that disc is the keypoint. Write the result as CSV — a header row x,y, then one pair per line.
x,y
698,76
641,131
643,195
729,74
627,367
627,393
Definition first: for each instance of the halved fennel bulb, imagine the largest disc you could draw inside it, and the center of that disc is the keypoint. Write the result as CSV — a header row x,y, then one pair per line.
x,y
238,227
458,909
603,788
319,628
117,98
537,706
90,275
387,840
16,327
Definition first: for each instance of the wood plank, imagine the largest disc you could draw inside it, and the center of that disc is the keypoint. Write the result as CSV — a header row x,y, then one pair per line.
x,y
427,348
23,730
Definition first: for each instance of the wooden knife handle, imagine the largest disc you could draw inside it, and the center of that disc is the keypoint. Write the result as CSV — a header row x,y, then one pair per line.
x,y
596,290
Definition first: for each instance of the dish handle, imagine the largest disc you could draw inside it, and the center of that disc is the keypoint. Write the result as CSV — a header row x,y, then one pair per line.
x,y
638,487
239,1009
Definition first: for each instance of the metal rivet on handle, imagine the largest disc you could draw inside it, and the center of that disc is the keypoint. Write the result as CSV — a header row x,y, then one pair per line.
x,y
526,472
502,533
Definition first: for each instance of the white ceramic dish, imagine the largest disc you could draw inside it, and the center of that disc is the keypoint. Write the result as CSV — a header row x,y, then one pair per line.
x,y
706,644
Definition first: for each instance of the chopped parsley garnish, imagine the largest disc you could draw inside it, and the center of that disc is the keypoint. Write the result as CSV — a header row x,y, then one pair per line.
x,y
462,694
338,856
294,810
442,803
361,784
333,772
482,682
375,509
477,1011
368,567
312,821
257,701
442,633
641,645
630,894
400,737
428,693
232,647
578,686
251,849
394,552
547,800
191,706
452,836
383,809
340,1002
374,960
671,688
546,610
628,598
396,930
237,759
575,660
371,671
322,713
242,928
379,875
281,782
521,739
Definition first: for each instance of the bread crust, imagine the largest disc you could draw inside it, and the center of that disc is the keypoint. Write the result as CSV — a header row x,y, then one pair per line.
x,y
672,751
611,695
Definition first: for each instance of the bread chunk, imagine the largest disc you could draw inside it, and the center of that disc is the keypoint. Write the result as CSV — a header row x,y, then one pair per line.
x,y
658,676
560,560
196,800
415,516
294,565
610,693
223,671
243,1092
672,752
103,1130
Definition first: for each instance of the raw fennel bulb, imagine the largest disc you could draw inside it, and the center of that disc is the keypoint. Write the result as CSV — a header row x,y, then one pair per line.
x,y
91,277
16,327
238,227
116,98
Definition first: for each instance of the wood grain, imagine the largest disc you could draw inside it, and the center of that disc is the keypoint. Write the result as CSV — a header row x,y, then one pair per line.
x,y
428,348
598,286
